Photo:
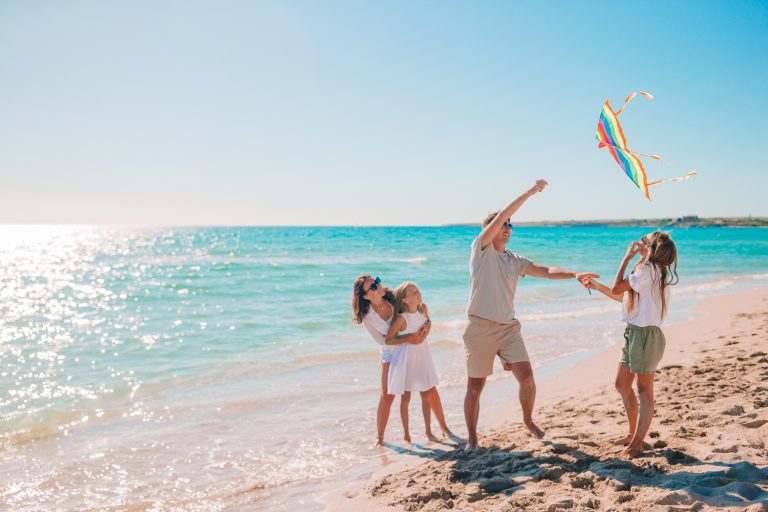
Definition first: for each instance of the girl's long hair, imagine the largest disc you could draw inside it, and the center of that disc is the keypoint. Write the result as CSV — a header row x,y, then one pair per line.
x,y
361,305
662,254
399,294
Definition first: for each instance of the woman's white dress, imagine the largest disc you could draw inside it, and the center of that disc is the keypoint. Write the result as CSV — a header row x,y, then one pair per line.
x,y
411,367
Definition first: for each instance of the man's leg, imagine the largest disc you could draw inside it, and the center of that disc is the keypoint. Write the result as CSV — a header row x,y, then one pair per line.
x,y
624,379
523,372
472,409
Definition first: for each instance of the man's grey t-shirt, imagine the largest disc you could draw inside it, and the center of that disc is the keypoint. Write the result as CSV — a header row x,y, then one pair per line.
x,y
492,282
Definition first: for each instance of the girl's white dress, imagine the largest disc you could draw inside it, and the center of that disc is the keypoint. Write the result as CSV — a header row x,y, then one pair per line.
x,y
411,367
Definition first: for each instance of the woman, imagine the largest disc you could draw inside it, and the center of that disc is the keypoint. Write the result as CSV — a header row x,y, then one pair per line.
x,y
372,307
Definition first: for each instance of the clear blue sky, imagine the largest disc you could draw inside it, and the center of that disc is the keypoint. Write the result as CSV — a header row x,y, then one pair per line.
x,y
366,113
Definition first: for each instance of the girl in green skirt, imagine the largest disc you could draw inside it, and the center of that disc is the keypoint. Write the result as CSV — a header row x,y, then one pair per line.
x,y
644,295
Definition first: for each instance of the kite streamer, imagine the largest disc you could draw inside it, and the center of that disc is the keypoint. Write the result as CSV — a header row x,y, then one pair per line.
x,y
610,135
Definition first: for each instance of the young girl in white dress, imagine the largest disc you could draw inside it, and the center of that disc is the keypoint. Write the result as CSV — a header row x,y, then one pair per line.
x,y
411,367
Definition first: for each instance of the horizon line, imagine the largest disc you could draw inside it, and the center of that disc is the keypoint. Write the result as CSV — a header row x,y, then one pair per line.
x,y
532,223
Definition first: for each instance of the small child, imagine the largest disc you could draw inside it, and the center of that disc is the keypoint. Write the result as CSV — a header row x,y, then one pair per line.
x,y
645,297
411,367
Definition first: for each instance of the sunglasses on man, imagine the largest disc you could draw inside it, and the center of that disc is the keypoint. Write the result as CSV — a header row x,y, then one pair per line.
x,y
507,225
374,286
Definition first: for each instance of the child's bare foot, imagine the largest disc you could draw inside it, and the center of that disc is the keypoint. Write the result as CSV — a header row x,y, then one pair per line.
x,y
447,434
379,442
622,441
630,452
432,437
533,429
408,443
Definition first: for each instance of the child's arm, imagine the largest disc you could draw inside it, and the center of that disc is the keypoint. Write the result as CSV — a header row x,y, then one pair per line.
x,y
594,285
398,324
427,325
492,229
620,284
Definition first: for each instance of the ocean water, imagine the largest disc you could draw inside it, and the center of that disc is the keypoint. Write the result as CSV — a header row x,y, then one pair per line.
x,y
218,368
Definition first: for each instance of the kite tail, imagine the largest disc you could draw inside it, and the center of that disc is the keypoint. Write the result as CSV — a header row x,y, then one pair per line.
x,y
629,98
682,178
655,157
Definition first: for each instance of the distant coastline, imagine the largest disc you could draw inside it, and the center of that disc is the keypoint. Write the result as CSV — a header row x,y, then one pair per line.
x,y
692,221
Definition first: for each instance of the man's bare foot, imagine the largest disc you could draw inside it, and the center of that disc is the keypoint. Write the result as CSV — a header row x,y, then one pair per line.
x,y
379,442
630,453
472,444
623,441
533,429
432,437
408,443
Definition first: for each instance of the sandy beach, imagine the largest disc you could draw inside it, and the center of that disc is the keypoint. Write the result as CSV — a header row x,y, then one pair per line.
x,y
707,448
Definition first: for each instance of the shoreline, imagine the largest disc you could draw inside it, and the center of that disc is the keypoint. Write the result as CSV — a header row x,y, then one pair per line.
x,y
688,342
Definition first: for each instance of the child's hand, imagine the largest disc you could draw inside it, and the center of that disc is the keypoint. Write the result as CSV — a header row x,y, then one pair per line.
x,y
423,331
427,327
583,277
632,250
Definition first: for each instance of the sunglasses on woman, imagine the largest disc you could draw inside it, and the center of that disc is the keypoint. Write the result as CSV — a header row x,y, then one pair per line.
x,y
374,286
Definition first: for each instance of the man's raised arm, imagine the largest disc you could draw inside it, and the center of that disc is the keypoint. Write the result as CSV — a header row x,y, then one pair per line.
x,y
490,231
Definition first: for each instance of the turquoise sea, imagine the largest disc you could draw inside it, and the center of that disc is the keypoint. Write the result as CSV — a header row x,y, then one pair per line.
x,y
218,368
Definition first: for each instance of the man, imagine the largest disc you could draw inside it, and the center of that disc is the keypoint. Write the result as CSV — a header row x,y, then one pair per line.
x,y
493,329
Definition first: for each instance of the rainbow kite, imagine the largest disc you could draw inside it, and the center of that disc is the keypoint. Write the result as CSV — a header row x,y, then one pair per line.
x,y
611,136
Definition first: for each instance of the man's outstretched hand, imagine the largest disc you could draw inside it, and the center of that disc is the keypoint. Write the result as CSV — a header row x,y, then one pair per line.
x,y
585,277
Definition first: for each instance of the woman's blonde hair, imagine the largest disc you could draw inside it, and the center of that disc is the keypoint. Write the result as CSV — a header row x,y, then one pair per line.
x,y
662,253
400,293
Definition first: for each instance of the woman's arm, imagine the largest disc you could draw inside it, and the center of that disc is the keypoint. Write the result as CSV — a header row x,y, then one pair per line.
x,y
398,324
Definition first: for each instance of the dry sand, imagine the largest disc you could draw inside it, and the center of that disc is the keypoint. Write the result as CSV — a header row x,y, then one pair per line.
x,y
708,445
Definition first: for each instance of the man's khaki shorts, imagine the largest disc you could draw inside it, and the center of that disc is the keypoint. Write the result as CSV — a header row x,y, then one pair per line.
x,y
485,339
